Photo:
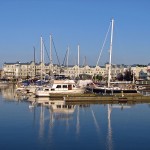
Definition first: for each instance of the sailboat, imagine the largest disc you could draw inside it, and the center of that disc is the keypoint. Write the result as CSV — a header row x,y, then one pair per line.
x,y
109,89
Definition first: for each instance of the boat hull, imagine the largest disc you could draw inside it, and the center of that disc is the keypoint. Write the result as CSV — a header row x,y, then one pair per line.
x,y
111,91
48,93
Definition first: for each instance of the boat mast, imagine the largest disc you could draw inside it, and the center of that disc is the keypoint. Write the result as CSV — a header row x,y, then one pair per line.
x,y
110,52
78,59
41,56
51,49
67,58
41,49
43,52
34,63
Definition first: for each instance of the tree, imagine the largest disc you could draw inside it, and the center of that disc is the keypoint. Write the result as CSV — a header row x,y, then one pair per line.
x,y
128,75
120,77
99,77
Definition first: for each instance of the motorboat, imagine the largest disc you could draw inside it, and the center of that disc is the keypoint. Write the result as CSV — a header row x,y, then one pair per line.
x,y
59,87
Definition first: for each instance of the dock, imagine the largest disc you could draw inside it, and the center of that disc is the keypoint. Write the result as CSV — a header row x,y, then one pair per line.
x,y
96,98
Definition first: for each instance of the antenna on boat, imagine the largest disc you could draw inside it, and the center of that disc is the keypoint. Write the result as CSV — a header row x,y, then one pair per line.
x,y
110,52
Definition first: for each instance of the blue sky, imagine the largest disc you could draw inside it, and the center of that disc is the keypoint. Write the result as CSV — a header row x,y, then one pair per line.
x,y
73,22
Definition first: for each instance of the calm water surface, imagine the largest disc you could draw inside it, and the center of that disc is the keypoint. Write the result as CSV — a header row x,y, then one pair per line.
x,y
90,127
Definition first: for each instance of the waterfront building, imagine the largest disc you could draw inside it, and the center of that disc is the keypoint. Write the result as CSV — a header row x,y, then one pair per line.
x,y
28,70
18,70
1,71
140,72
75,71
115,70
31,70
148,71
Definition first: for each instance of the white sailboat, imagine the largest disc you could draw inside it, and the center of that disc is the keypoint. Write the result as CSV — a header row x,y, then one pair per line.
x,y
110,89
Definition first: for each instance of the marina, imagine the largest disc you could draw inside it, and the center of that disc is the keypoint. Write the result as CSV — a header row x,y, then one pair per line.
x,y
68,91
74,75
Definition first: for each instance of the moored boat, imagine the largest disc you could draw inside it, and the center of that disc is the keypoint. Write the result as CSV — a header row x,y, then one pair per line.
x,y
59,87
110,89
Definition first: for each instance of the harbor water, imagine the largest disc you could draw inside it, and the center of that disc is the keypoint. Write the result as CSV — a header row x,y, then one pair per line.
x,y
86,126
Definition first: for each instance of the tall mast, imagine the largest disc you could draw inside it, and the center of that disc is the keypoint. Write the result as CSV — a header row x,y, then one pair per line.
x,y
41,49
67,58
51,49
34,53
110,52
34,62
41,56
78,59
43,52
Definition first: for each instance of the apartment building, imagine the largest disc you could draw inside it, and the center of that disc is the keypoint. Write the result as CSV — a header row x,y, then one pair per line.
x,y
32,70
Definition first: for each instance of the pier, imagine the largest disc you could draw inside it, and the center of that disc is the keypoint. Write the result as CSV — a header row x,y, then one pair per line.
x,y
94,98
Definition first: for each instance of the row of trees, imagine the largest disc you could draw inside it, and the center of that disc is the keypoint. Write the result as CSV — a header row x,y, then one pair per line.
x,y
127,76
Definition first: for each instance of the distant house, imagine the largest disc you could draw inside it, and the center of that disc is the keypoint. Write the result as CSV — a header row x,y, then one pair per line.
x,y
142,75
140,72
148,71
0,73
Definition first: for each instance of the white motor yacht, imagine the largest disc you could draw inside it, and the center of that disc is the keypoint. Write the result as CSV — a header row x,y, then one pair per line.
x,y
59,87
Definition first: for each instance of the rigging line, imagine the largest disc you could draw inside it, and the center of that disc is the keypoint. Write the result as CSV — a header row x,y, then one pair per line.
x,y
55,52
95,121
103,45
64,61
84,62
46,50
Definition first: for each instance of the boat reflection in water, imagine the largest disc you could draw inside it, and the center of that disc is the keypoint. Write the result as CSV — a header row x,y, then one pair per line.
x,y
7,92
58,108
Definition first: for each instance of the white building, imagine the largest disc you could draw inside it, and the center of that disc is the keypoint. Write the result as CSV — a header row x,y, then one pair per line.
x,y
32,70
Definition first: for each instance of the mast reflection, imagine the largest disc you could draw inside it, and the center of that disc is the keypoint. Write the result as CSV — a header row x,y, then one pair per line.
x,y
109,135
109,111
